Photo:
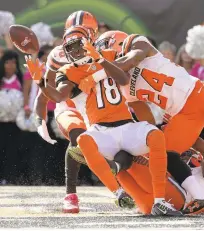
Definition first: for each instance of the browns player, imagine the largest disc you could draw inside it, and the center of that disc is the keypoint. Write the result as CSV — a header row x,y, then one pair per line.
x,y
69,120
178,94
175,89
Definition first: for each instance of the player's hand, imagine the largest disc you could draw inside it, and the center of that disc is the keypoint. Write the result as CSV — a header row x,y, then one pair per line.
x,y
91,51
87,84
34,67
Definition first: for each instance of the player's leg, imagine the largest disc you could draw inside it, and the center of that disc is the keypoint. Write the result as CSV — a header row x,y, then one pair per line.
x,y
142,199
194,160
184,128
98,145
92,145
139,170
71,125
174,193
142,138
178,169
181,133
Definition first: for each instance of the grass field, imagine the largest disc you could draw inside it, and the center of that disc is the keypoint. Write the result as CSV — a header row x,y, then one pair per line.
x,y
41,208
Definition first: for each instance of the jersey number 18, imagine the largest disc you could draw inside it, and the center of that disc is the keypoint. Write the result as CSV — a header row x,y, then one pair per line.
x,y
111,91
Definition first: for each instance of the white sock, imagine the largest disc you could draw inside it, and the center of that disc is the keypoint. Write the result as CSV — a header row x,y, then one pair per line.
x,y
158,200
192,186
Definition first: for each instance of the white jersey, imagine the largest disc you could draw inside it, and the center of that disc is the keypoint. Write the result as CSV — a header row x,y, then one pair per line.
x,y
56,59
158,80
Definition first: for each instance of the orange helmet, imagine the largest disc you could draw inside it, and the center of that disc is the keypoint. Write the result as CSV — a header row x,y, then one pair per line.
x,y
128,43
73,45
83,18
111,39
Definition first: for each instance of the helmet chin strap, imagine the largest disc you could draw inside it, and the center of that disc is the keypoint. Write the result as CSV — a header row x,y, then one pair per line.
x,y
84,60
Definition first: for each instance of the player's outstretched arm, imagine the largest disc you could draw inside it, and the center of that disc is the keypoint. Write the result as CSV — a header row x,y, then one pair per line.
x,y
40,109
115,72
40,105
64,89
139,51
59,94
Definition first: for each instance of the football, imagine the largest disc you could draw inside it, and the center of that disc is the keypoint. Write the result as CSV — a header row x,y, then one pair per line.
x,y
24,39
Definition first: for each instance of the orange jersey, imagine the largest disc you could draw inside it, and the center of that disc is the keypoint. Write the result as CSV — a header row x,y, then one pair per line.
x,y
105,104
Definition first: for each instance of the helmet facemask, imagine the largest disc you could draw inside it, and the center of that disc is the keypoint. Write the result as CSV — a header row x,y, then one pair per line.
x,y
75,53
102,44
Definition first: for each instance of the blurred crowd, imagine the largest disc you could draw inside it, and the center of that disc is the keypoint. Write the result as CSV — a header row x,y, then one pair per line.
x,y
25,158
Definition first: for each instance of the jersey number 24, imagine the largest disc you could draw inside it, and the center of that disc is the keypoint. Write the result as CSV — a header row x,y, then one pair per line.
x,y
156,81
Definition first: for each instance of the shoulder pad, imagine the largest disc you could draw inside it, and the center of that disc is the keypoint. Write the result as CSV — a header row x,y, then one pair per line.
x,y
65,68
56,59
140,38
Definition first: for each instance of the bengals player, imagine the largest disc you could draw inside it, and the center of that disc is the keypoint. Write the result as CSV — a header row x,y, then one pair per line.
x,y
68,118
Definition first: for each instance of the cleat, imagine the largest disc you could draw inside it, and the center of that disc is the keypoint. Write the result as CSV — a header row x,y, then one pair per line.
x,y
71,203
194,207
164,208
123,200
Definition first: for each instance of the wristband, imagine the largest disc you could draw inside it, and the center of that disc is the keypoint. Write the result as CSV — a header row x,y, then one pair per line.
x,y
100,60
99,75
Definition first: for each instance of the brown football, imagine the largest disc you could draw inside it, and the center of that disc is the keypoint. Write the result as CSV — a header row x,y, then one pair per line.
x,y
24,39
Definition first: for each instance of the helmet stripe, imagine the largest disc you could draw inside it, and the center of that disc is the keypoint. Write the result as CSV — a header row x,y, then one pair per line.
x,y
75,17
126,47
78,17
84,33
81,17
